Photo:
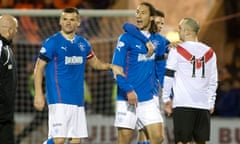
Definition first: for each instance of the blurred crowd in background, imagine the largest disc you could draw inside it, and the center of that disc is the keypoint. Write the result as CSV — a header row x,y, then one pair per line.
x,y
56,4
228,93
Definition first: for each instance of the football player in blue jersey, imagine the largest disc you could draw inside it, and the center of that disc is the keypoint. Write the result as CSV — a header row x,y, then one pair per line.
x,y
62,58
160,59
136,89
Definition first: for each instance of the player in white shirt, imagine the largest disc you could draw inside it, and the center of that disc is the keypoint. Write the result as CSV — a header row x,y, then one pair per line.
x,y
191,71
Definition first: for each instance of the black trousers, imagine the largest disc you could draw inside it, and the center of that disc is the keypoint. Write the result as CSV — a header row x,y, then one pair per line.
x,y
7,133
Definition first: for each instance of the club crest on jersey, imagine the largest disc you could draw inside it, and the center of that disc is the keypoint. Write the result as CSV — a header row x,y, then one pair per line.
x,y
155,43
81,46
43,50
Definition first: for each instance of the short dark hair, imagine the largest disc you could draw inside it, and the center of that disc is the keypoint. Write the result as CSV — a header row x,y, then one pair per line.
x,y
159,13
71,10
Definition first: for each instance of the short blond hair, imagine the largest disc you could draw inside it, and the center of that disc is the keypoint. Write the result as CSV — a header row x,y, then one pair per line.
x,y
191,24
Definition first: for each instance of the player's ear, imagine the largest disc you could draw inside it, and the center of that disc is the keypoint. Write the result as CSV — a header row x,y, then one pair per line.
x,y
79,22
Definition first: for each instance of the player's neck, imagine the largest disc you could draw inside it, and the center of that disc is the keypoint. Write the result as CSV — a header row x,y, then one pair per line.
x,y
69,36
191,38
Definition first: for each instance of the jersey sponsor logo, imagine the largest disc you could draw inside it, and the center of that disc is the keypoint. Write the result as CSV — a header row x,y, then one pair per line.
x,y
143,57
43,50
73,60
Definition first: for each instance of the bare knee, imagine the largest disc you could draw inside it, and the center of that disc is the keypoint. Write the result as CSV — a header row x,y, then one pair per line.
x,y
156,138
125,136
59,140
75,141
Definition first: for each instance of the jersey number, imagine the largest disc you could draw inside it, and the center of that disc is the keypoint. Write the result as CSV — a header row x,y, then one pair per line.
x,y
194,62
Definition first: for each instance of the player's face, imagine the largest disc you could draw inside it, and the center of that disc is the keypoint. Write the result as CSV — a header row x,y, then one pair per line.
x,y
159,21
143,17
13,30
69,22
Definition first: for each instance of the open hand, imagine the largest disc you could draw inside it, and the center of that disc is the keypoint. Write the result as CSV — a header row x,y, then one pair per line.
x,y
117,70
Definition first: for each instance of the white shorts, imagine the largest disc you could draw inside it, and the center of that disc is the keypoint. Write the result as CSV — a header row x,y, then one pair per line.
x,y
67,121
156,100
147,112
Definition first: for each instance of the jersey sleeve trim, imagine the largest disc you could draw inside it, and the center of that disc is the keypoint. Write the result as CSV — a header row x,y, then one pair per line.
x,y
43,57
90,55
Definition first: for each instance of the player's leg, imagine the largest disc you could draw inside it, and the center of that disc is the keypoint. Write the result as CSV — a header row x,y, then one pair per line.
x,y
125,135
125,122
184,143
183,122
56,141
7,132
66,121
200,142
142,139
74,141
78,125
155,133
149,114
201,132
49,141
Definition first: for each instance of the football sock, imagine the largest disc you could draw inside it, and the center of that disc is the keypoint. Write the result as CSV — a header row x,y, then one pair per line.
x,y
49,141
146,142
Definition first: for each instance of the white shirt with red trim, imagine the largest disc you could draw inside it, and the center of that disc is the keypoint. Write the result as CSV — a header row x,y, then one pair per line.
x,y
195,79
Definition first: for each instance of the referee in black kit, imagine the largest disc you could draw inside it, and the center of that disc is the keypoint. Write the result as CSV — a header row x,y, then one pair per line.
x,y
8,78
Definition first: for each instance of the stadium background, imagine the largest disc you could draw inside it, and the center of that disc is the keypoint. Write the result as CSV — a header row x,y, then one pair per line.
x,y
220,20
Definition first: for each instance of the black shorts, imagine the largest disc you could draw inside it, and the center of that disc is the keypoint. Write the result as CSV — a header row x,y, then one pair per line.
x,y
7,133
191,124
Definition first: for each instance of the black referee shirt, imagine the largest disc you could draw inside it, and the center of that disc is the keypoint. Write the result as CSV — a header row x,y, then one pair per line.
x,y
8,81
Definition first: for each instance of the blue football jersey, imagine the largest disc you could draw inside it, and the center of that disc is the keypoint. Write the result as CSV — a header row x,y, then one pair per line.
x,y
131,54
159,58
64,71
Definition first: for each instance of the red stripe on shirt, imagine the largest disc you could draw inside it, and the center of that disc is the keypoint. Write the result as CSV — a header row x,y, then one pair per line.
x,y
188,56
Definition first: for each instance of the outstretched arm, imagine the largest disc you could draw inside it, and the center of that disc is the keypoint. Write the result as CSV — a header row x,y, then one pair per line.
x,y
99,65
135,32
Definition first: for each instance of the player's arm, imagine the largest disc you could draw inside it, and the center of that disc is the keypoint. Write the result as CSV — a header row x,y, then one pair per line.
x,y
160,60
135,32
168,80
213,83
95,63
119,58
39,99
